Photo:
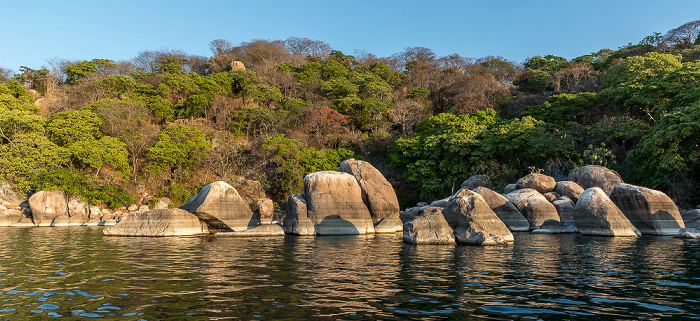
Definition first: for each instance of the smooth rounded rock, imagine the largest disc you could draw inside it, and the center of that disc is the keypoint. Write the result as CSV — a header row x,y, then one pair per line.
x,y
596,176
540,182
221,208
296,221
533,206
334,203
570,189
691,218
429,228
652,212
477,181
505,210
479,225
163,222
47,205
377,193
596,214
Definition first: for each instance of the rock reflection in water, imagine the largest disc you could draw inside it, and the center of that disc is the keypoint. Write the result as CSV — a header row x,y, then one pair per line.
x,y
74,271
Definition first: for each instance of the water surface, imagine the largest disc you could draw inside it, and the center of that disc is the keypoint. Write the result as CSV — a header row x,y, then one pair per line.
x,y
76,273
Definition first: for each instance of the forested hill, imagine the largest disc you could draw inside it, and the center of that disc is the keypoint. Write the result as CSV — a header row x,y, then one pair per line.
x,y
273,111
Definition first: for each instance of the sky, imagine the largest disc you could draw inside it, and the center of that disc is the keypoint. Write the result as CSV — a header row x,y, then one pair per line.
x,y
35,32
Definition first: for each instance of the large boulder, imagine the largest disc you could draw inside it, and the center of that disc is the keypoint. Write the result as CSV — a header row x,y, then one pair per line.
x,y
691,218
478,224
10,216
377,193
596,176
429,228
539,182
265,208
505,210
47,205
509,188
596,214
296,221
334,203
570,189
162,222
533,206
221,208
652,212
9,195
78,210
565,207
477,181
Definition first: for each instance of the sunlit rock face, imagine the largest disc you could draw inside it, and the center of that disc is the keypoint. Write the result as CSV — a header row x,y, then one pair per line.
x,y
570,189
476,223
162,222
596,176
334,204
596,214
47,205
296,221
221,207
539,182
652,212
378,195
533,206
505,210
430,227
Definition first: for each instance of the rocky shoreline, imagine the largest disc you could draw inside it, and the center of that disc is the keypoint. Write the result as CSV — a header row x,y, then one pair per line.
x,y
357,199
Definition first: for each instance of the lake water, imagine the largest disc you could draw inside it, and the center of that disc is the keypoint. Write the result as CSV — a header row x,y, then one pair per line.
x,y
76,273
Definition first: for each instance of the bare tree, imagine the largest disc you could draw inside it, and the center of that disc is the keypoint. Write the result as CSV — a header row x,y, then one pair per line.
x,y
683,36
222,51
261,55
306,47
129,120
5,74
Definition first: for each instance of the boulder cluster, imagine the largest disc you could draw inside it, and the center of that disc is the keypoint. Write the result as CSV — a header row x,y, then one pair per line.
x,y
357,199
593,201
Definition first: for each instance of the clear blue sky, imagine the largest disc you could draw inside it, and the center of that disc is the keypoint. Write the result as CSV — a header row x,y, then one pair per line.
x,y
36,31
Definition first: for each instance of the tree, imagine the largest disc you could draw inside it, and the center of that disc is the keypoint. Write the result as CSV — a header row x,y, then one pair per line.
x,y
84,69
177,152
306,47
128,120
670,150
71,126
625,83
683,36
547,63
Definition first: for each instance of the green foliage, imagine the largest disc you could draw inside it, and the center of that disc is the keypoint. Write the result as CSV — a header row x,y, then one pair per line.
x,y
535,82
558,110
14,96
436,155
73,126
628,83
84,69
106,150
177,151
546,63
30,154
88,188
670,148
292,162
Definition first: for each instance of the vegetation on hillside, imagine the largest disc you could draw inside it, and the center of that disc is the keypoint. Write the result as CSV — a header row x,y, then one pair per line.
x,y
174,122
